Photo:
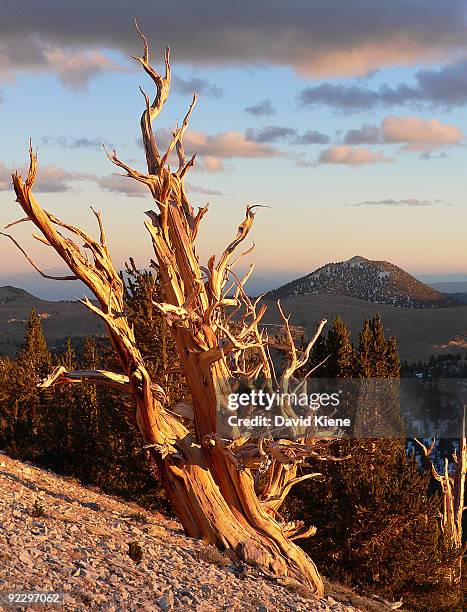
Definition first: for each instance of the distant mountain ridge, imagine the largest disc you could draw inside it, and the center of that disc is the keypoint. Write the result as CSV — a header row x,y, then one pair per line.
x,y
11,295
373,281
450,286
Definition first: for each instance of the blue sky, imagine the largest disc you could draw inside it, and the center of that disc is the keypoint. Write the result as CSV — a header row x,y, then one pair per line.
x,y
393,189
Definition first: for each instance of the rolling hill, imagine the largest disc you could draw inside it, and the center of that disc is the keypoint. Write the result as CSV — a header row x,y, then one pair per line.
x,y
420,332
59,319
373,281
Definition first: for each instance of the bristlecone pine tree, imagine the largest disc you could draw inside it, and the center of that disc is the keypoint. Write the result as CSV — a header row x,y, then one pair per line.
x,y
213,483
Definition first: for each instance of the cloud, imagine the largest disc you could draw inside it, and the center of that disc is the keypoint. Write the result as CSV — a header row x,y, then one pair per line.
x,y
429,155
74,143
5,178
208,163
261,109
204,162
50,179
414,133
367,134
196,85
122,185
226,145
270,133
352,157
420,134
347,97
223,145
410,202
73,67
203,190
275,133
302,162
445,87
315,38
312,137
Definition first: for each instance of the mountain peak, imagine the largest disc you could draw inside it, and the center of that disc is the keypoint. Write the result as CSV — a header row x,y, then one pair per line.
x,y
365,279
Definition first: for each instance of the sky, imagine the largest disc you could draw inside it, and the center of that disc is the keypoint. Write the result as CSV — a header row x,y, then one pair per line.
x,y
347,121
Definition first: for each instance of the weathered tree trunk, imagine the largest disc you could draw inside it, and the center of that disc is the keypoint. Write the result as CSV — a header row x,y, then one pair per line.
x,y
211,482
453,494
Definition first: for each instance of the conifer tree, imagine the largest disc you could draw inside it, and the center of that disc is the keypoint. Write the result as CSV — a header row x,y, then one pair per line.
x,y
32,364
67,398
341,361
142,290
87,442
379,348
78,429
393,362
56,419
35,352
364,351
7,403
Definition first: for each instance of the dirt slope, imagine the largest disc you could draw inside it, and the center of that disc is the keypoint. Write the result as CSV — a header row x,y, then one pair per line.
x,y
80,546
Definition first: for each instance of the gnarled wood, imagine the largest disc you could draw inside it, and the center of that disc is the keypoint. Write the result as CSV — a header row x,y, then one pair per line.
x,y
213,483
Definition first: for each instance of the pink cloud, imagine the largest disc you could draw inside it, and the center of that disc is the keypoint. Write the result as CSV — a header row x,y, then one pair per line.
x,y
224,145
74,69
362,57
420,134
350,156
211,150
50,179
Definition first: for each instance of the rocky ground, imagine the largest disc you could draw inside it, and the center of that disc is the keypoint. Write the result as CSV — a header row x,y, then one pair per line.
x,y
57,535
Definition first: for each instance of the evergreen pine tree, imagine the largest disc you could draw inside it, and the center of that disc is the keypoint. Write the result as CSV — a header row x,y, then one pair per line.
x,y
57,417
32,365
378,411
67,398
8,407
35,353
319,355
142,289
378,348
364,351
393,362
87,443
341,361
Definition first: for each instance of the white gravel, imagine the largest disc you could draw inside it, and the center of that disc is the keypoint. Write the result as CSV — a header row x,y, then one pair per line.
x,y
80,547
